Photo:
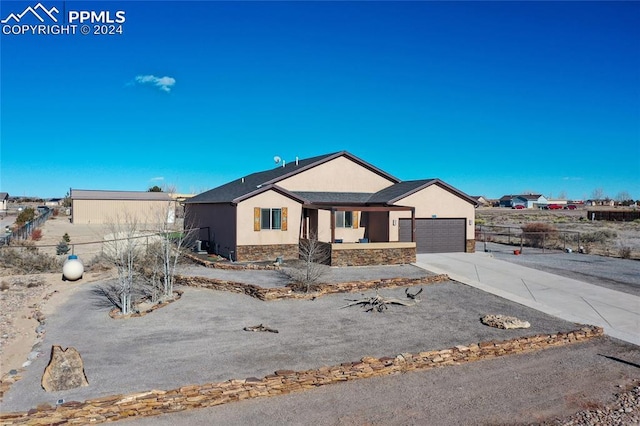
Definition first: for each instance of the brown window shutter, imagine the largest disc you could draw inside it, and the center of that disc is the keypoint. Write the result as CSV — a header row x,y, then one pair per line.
x,y
283,225
355,220
256,218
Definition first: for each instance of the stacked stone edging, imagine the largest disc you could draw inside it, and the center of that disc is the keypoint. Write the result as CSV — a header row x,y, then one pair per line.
x,y
317,290
155,402
116,313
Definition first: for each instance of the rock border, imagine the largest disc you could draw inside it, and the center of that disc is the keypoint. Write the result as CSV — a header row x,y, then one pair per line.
x,y
155,402
115,313
317,290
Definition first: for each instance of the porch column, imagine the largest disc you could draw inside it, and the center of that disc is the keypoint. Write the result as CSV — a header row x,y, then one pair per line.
x,y
333,225
413,225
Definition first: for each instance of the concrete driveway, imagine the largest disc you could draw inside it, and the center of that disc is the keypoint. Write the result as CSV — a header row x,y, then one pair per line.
x,y
570,299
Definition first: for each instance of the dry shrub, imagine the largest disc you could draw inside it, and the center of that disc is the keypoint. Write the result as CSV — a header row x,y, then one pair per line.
x,y
625,252
98,264
599,236
36,234
4,286
24,258
536,233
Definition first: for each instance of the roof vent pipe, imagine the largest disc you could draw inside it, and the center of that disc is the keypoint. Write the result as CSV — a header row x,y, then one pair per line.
x,y
284,163
296,161
242,180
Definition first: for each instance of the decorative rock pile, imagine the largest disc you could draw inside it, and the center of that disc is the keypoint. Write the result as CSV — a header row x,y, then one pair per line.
x,y
504,322
625,410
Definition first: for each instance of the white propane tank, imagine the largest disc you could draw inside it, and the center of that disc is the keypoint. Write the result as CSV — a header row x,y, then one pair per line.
x,y
72,269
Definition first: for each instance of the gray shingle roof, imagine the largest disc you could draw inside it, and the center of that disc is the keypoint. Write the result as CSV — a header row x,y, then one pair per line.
x,y
401,190
242,188
4,195
334,197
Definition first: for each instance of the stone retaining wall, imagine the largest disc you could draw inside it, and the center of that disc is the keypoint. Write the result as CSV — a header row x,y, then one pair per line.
x,y
368,257
317,290
260,253
155,402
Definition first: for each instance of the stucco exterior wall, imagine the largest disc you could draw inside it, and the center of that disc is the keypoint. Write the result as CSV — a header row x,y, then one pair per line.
x,y
269,199
431,201
220,220
338,175
113,211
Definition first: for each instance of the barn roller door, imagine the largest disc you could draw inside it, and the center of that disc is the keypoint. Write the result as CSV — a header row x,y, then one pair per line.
x,y
444,235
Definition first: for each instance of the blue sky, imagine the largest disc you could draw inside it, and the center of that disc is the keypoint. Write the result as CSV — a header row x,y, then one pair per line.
x,y
491,97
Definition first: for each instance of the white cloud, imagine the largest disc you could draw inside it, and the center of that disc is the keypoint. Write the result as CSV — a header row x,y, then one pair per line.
x,y
155,179
163,83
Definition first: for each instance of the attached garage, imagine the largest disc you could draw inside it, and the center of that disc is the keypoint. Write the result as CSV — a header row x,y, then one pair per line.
x,y
445,235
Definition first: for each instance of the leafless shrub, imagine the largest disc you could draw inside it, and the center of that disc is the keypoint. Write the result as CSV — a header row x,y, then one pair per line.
x,y
313,256
625,252
535,233
26,259
599,236
4,285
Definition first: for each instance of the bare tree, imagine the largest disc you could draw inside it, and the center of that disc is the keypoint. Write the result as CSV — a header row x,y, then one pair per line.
x,y
622,196
314,255
172,236
597,194
122,248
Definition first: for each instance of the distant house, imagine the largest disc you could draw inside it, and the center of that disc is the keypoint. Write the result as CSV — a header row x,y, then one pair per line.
x,y
4,199
53,202
591,203
526,200
482,201
100,207
506,200
363,214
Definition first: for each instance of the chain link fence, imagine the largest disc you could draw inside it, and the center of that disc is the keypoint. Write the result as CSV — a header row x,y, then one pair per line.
x,y
24,232
513,238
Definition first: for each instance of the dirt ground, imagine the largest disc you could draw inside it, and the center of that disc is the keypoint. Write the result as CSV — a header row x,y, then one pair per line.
x,y
627,233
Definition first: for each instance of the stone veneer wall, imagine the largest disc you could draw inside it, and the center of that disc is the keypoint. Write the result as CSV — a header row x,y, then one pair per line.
x,y
471,246
259,253
316,290
370,257
155,402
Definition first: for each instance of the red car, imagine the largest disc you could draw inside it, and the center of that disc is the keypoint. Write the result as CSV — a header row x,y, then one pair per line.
x,y
555,207
571,207
518,207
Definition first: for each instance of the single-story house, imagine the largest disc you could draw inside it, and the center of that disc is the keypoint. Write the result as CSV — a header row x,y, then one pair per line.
x,y
104,207
605,202
363,214
4,200
526,200
481,201
53,202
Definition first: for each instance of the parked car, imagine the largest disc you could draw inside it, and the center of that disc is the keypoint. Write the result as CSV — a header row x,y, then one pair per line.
x,y
518,207
555,207
571,207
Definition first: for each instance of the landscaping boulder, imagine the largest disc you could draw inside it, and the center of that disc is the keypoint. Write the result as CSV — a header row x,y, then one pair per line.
x,y
504,322
65,370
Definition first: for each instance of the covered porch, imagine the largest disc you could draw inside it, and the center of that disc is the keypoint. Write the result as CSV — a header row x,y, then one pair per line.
x,y
360,236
